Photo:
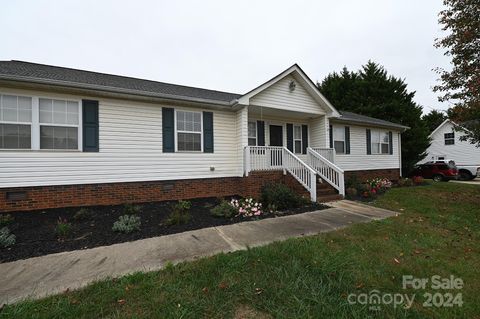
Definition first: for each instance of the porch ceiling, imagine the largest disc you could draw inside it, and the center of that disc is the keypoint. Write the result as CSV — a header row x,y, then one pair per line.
x,y
258,111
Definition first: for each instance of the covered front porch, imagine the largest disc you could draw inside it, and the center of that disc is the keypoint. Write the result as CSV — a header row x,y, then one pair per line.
x,y
294,142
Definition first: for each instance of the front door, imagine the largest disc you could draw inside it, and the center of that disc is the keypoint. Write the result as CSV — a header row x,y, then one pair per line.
x,y
276,135
276,139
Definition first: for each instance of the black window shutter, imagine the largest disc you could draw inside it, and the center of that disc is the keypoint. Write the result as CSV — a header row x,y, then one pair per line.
x,y
369,142
304,139
331,136
260,133
90,126
290,137
168,130
347,139
208,132
390,142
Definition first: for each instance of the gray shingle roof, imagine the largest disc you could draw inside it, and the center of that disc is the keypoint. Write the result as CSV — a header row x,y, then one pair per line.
x,y
362,119
41,73
34,72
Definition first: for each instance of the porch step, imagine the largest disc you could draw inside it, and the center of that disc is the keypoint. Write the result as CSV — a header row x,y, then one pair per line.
x,y
328,198
326,191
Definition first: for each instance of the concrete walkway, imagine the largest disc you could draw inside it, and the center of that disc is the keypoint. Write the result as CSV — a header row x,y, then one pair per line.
x,y
46,275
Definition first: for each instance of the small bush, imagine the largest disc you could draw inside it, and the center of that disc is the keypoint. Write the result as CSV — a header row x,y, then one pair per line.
x,y
418,180
5,219
63,228
6,239
224,209
127,224
352,182
130,209
83,214
351,192
180,213
405,182
281,196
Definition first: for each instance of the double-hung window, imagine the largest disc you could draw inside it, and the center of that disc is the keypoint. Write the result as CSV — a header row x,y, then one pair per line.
x,y
380,142
59,121
339,139
189,131
449,138
252,133
15,122
297,139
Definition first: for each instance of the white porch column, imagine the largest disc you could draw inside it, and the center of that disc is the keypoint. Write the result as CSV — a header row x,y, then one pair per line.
x,y
242,138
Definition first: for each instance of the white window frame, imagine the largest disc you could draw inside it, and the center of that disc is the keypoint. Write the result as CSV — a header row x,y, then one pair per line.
x,y
449,138
335,138
380,134
256,133
297,139
35,124
189,132
78,126
19,123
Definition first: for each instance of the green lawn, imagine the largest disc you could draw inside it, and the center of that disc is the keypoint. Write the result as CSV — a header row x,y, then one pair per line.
x,y
438,233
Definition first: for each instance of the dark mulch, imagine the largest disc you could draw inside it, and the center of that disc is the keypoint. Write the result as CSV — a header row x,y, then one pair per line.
x,y
36,236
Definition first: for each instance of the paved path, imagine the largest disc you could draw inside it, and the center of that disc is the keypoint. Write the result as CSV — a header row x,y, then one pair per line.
x,y
46,275
475,181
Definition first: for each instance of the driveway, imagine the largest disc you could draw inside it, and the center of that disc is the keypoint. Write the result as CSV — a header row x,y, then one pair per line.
x,y
51,274
475,181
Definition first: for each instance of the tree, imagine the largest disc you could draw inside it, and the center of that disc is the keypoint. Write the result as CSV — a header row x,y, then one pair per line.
x,y
434,119
373,92
461,85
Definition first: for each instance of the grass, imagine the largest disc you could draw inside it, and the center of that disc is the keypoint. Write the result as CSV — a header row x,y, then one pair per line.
x,y
438,233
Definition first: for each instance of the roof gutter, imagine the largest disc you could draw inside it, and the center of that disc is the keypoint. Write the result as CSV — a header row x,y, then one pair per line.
x,y
110,89
403,128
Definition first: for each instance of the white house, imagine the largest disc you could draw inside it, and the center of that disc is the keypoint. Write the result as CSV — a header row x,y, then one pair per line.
x,y
71,137
446,145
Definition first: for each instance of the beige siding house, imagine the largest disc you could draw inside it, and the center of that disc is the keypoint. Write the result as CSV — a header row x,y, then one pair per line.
x,y
66,127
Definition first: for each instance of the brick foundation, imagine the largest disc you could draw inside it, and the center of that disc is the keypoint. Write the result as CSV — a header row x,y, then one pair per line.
x,y
44,197
362,176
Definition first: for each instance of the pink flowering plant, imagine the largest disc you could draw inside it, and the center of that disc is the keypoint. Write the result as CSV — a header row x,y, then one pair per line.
x,y
379,185
247,207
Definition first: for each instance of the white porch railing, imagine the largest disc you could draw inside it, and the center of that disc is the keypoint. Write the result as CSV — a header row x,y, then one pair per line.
x,y
327,170
328,153
266,158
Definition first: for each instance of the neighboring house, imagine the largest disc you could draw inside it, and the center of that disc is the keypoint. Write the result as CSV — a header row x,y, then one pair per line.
x,y
446,145
70,137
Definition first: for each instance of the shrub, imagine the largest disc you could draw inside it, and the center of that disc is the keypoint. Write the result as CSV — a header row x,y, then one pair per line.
x,y
180,213
63,228
127,224
6,239
130,209
281,196
380,185
362,188
247,207
404,182
83,214
5,219
418,180
224,209
352,182
351,192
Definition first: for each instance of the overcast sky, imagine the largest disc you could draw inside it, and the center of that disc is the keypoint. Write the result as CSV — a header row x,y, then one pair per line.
x,y
228,45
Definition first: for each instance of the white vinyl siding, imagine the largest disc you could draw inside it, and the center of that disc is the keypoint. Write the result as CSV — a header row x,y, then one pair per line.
x,y
318,134
130,139
279,96
358,158
462,152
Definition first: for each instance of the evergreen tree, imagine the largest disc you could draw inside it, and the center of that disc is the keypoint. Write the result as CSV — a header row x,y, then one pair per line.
x,y
373,92
434,119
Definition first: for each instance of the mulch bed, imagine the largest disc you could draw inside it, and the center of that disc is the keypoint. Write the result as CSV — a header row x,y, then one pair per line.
x,y
36,236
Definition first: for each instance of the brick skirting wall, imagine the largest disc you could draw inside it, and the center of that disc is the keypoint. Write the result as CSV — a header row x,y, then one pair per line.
x,y
43,197
362,176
